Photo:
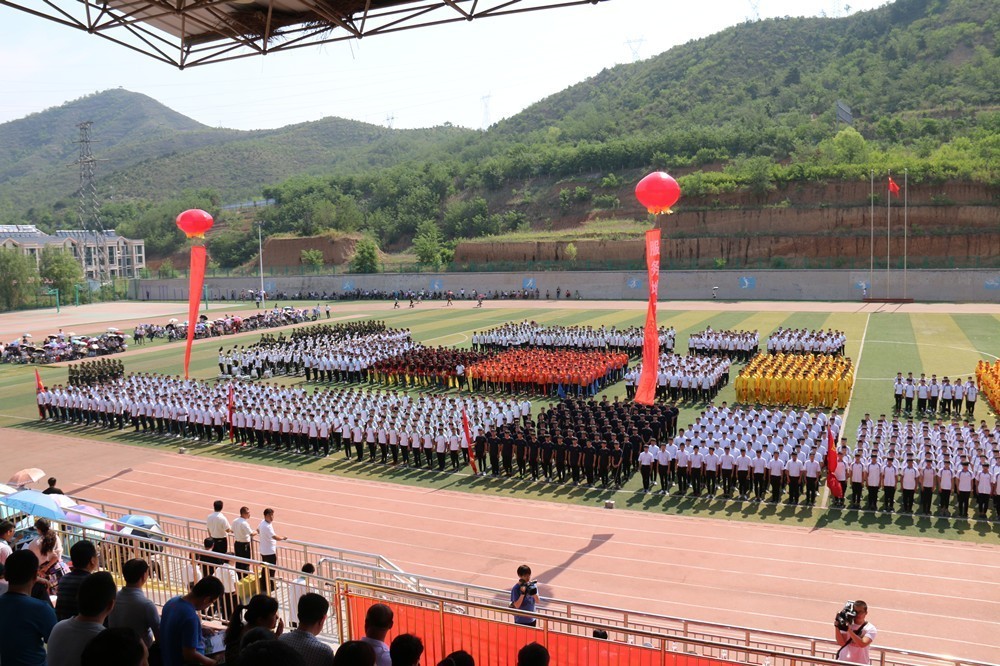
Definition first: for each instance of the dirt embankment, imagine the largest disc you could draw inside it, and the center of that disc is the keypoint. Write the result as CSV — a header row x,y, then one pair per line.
x,y
285,252
825,220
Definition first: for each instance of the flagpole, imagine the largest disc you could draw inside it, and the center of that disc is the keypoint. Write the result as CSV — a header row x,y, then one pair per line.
x,y
905,174
871,217
888,223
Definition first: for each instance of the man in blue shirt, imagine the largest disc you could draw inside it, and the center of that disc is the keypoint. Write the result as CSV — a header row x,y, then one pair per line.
x,y
180,627
26,622
524,596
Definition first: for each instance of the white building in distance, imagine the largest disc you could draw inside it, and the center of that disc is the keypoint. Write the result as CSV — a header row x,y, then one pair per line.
x,y
126,257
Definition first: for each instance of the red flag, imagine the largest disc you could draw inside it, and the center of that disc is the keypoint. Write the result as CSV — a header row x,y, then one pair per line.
x,y
893,187
39,386
646,389
195,282
231,413
468,441
832,461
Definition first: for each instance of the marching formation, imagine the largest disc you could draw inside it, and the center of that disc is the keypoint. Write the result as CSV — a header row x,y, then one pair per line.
x,y
740,346
531,334
684,378
802,341
818,380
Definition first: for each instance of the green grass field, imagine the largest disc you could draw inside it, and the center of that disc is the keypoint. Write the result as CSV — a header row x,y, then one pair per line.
x,y
880,343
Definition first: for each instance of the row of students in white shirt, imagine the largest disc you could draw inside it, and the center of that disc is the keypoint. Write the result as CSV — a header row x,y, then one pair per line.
x,y
799,341
529,333
683,377
740,346
946,397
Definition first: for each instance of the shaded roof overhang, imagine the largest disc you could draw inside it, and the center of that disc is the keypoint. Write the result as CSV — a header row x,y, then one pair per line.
x,y
186,33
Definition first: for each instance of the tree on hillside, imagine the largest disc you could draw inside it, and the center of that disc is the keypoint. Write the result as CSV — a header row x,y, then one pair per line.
x,y
427,244
312,258
18,279
60,270
365,259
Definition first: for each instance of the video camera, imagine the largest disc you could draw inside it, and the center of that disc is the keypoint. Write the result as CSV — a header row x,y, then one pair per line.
x,y
530,589
845,618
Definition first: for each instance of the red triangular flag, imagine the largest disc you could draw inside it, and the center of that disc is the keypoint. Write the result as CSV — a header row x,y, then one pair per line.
x,y
39,386
831,465
893,187
468,441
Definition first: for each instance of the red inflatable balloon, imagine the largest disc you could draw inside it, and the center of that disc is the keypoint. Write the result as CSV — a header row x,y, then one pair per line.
x,y
658,192
194,223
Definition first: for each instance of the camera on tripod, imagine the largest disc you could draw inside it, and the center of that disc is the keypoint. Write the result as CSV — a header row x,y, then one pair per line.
x,y
845,618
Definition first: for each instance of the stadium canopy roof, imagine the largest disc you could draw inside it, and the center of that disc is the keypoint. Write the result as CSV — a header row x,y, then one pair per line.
x,y
186,33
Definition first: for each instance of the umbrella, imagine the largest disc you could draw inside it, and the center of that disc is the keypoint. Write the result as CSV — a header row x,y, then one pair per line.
x,y
112,329
88,516
171,321
71,334
62,501
28,335
144,522
6,490
26,476
34,503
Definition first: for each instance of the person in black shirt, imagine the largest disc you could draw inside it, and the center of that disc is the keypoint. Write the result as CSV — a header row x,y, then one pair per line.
x,y
559,452
574,453
521,453
507,453
604,463
52,489
533,447
616,464
589,458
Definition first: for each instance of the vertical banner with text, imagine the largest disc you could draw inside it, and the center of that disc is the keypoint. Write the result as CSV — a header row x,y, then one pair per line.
x,y
196,280
646,389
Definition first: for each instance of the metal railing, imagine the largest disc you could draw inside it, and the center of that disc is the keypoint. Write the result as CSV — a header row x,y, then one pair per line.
x,y
292,554
345,566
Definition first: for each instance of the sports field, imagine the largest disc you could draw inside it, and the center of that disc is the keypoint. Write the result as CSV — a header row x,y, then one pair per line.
x,y
882,340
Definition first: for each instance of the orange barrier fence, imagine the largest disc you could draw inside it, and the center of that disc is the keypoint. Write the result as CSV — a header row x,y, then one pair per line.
x,y
495,643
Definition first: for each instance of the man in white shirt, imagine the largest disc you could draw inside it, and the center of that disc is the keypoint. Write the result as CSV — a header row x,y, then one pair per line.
x,y
268,549
68,638
242,536
218,528
855,641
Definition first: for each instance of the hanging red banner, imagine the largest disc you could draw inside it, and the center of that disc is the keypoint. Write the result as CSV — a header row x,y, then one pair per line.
x,y
646,389
195,282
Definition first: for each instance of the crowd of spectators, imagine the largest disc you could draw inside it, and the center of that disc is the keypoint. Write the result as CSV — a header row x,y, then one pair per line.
x,y
60,347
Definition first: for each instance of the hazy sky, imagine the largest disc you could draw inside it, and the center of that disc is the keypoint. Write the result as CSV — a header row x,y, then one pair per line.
x,y
419,78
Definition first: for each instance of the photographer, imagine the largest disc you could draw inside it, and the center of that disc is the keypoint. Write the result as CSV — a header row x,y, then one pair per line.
x,y
853,633
524,595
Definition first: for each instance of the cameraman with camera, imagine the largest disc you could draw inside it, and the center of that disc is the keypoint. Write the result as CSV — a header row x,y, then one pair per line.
x,y
853,633
524,595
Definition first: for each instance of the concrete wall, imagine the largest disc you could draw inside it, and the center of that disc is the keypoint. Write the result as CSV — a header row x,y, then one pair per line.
x,y
792,285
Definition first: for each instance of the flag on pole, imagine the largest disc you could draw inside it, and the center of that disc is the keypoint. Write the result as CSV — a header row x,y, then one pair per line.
x,y
893,187
468,441
832,461
230,405
39,386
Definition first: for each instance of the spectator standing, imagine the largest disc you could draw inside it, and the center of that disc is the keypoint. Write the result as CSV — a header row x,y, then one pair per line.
x,y
268,548
69,637
312,610
132,609
522,598
855,641
378,622
243,534
83,556
181,637
52,489
218,528
27,622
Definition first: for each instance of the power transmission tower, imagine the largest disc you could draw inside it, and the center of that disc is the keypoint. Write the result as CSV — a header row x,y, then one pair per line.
x,y
388,120
754,10
635,45
486,111
89,214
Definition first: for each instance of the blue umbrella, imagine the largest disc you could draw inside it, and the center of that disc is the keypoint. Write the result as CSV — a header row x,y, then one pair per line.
x,y
34,503
138,521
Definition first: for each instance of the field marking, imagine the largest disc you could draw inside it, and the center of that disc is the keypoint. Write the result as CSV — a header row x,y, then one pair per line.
x,y
465,338
921,344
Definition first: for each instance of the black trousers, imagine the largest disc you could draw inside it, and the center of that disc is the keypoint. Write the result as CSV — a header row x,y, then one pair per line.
x,y
241,549
267,573
645,473
926,499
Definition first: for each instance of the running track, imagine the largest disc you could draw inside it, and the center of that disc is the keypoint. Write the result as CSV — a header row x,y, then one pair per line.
x,y
925,594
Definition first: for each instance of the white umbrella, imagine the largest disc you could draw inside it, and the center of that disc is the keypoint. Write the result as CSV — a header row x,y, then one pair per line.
x,y
26,476
171,321
28,335
112,329
63,501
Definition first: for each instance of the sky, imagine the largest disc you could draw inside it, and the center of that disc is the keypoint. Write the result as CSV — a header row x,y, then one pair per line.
x,y
467,74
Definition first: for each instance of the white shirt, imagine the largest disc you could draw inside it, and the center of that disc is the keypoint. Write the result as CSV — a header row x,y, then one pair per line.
x,y
856,654
268,544
217,525
242,530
